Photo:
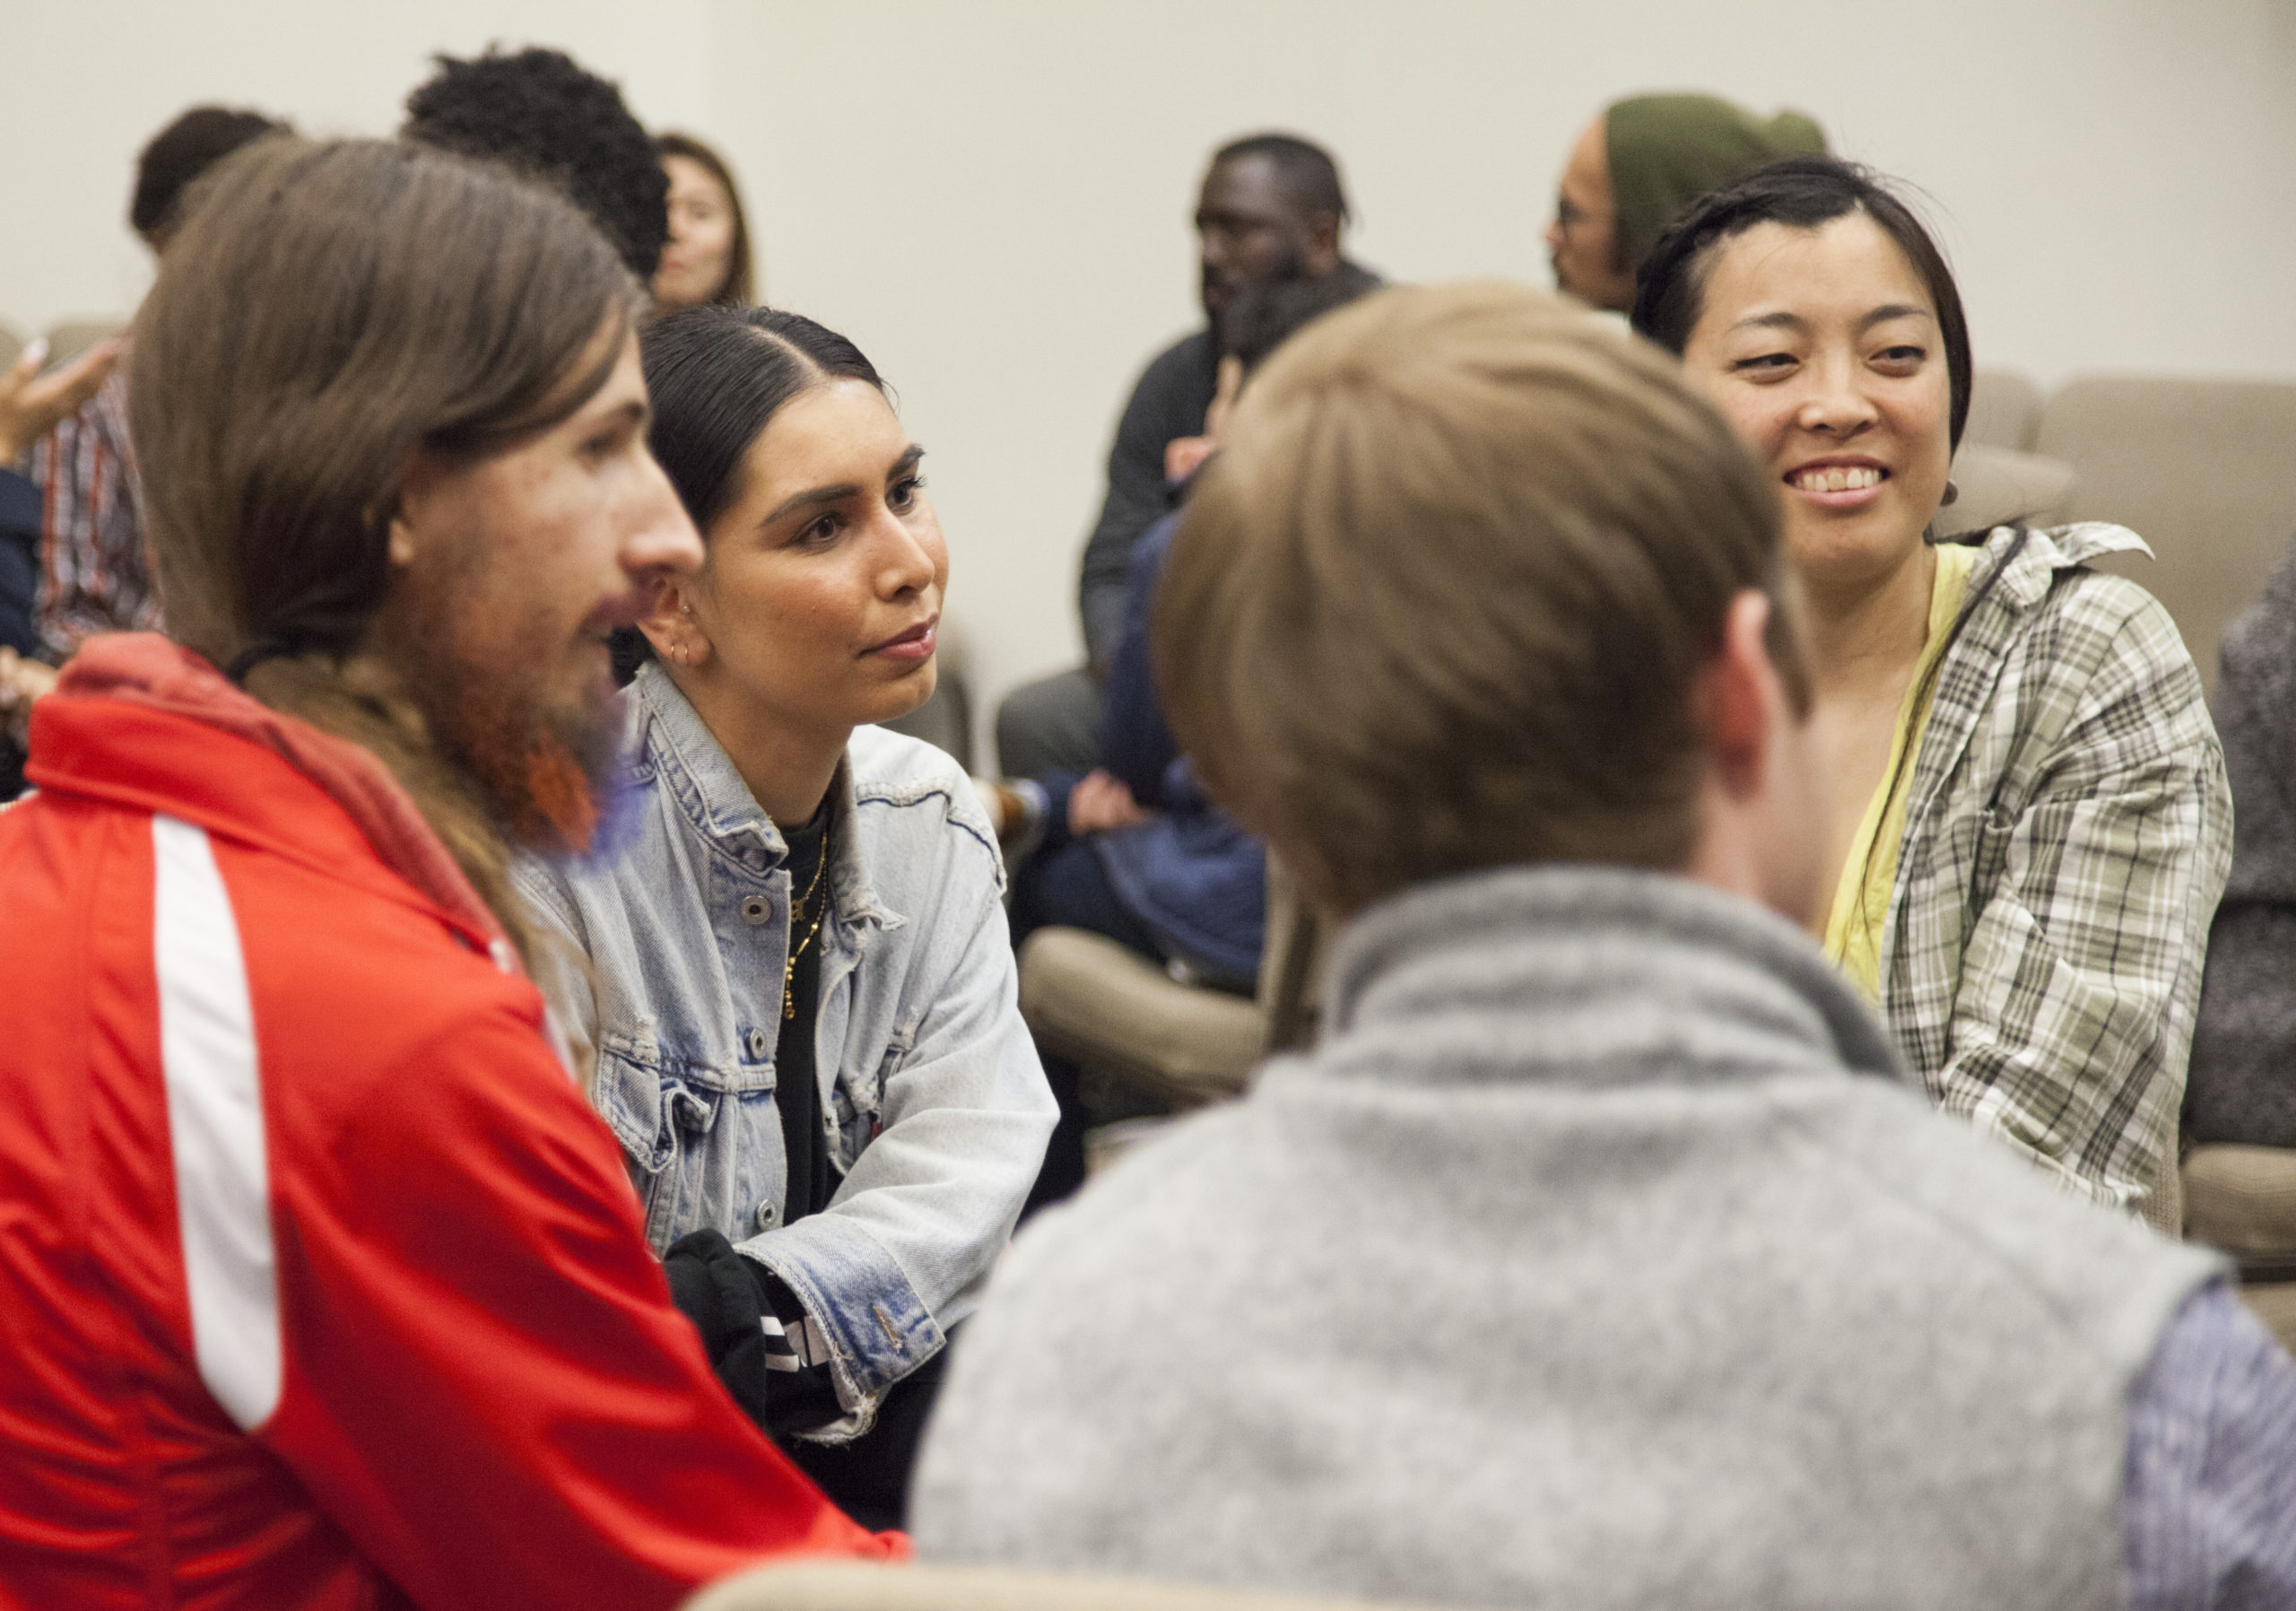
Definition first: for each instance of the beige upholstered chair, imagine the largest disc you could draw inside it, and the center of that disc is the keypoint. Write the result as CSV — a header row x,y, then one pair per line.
x,y
68,340
857,1585
1118,1016
2242,1200
2203,470
1996,485
2005,409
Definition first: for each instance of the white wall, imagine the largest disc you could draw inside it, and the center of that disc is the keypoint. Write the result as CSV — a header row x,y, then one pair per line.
x,y
992,197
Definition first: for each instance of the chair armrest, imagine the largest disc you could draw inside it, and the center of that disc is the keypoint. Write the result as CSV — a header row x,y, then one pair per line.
x,y
1109,1010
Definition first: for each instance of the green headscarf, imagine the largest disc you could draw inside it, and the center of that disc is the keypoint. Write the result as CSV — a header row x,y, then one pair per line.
x,y
1668,149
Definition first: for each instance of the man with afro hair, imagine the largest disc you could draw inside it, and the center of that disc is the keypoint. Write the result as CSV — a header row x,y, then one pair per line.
x,y
179,153
543,113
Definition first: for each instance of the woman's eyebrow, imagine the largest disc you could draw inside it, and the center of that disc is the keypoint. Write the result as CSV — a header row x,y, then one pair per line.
x,y
1782,320
1889,311
837,493
1773,321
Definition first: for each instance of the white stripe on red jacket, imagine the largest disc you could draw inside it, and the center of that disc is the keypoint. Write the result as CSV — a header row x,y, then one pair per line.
x,y
322,1284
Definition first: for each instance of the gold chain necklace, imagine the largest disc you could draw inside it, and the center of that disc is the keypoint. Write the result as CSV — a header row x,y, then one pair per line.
x,y
797,910
798,906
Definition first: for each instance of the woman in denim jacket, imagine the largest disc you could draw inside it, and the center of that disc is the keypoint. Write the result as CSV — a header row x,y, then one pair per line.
x,y
801,1006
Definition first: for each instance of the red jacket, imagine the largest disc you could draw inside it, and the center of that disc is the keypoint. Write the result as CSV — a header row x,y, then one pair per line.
x,y
321,1285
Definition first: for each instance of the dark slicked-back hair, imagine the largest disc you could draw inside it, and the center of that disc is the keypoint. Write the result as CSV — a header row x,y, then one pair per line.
x,y
544,114
1311,178
179,153
717,376
1801,192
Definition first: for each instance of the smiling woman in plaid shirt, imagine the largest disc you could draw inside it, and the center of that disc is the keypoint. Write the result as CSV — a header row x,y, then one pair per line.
x,y
2032,822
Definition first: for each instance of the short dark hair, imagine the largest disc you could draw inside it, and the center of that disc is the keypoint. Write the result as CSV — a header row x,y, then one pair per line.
x,y
543,113
717,376
182,152
1310,176
1801,192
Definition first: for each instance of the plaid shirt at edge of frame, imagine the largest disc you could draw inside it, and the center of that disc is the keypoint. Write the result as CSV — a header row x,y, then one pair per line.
x,y
2070,831
95,575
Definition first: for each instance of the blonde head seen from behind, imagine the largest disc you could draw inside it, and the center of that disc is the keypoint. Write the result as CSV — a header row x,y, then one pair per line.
x,y
1444,599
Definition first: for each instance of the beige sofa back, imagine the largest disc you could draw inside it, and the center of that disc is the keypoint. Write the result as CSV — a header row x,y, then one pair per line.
x,y
2203,470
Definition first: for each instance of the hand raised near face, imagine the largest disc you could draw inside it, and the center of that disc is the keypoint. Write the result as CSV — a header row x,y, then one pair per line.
x,y
1184,455
32,404
22,682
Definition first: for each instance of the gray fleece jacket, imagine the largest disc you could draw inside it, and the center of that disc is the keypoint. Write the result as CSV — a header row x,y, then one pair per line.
x,y
2242,1085
1601,1256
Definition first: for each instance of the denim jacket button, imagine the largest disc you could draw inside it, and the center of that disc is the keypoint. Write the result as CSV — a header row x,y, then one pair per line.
x,y
756,1043
765,1214
755,908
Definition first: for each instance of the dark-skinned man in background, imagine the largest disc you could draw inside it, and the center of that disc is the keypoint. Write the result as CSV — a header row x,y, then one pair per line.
x,y
1272,209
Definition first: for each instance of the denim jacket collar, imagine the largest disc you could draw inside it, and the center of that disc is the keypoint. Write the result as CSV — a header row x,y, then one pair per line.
x,y
717,805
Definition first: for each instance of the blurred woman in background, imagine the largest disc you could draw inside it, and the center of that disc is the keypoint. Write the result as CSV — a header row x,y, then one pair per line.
x,y
708,257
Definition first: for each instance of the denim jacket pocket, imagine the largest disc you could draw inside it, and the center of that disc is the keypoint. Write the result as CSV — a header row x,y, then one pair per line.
x,y
641,1104
860,1100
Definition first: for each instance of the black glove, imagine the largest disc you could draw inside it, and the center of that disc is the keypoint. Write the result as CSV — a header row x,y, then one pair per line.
x,y
755,1332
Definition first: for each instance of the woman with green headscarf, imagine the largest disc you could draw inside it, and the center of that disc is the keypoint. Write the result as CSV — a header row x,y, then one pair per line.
x,y
1640,163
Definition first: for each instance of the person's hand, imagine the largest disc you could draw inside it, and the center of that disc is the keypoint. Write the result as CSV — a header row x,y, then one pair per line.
x,y
22,682
1184,455
1100,803
1230,387
32,404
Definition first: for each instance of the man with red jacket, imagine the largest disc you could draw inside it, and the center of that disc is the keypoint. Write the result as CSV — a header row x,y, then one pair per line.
x,y
321,1285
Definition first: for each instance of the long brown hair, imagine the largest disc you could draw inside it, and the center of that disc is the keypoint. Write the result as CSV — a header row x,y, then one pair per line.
x,y
329,309
739,287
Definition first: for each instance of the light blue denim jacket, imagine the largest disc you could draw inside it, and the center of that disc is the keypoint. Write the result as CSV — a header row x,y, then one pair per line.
x,y
935,1105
